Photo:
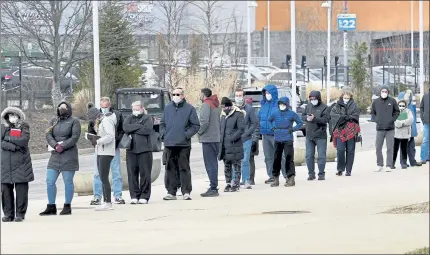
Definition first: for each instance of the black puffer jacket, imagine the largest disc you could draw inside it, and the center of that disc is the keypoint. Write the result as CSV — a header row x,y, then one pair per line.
x,y
16,164
232,128
140,128
67,130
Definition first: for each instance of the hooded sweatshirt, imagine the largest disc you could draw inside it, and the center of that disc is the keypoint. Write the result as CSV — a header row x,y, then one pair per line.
x,y
317,128
210,120
385,112
267,108
282,122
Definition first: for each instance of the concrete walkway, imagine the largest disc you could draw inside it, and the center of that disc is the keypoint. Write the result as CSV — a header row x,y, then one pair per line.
x,y
342,217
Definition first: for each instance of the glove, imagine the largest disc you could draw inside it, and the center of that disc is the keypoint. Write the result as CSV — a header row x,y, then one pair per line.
x,y
7,138
94,141
59,148
254,146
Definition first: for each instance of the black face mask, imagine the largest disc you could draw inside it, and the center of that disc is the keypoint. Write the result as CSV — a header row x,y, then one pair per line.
x,y
63,112
227,111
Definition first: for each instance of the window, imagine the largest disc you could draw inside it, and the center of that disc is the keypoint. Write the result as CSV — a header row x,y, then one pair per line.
x,y
152,102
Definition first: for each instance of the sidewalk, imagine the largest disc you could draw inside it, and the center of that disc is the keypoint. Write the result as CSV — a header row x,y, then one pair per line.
x,y
343,218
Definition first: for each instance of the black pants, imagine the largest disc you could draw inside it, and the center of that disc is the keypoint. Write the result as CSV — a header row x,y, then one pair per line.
x,y
103,163
288,149
8,199
403,144
139,165
252,168
178,158
411,153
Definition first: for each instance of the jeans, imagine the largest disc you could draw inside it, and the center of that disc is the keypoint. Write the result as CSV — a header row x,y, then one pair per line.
x,y
51,187
321,144
425,149
115,166
269,155
388,136
411,153
210,157
345,155
246,163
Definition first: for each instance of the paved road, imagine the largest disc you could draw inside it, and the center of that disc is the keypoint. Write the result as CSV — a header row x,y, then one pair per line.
x,y
38,187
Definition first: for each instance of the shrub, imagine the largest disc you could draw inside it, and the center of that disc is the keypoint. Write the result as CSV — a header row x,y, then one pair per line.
x,y
80,101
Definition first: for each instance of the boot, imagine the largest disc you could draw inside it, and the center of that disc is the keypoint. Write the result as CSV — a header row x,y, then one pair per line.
x,y
50,210
290,182
67,210
275,182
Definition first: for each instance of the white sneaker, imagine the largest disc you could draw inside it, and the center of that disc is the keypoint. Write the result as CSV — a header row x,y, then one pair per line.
x,y
247,185
134,201
142,201
104,207
388,169
187,196
380,169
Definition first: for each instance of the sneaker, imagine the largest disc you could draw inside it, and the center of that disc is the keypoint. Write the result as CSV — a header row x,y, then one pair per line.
x,y
142,201
133,201
348,174
7,219
252,182
247,185
339,173
235,188
404,167
269,181
423,162
379,169
104,207
321,178
418,164
169,197
210,193
187,196
119,201
227,188
19,219
242,183
311,177
96,201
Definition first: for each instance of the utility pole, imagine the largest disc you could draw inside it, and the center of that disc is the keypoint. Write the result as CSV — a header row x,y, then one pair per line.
x,y
96,53
1,87
20,72
268,33
345,46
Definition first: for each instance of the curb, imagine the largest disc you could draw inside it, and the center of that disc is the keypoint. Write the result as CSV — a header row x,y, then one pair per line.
x,y
47,155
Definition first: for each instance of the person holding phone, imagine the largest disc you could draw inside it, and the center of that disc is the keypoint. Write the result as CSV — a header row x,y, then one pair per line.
x,y
16,167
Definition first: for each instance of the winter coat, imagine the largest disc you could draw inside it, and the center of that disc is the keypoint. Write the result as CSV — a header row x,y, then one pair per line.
x,y
140,128
16,164
179,124
385,112
250,122
341,114
267,108
119,132
403,127
67,130
408,97
425,108
106,144
209,120
232,128
317,128
255,136
282,122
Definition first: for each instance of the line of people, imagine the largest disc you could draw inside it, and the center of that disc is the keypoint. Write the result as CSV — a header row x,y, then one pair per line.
x,y
228,131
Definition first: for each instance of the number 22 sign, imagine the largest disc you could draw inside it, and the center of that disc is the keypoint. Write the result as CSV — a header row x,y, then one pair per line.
x,y
346,22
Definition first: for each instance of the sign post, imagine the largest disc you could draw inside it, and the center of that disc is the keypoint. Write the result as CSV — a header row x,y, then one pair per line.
x,y
346,22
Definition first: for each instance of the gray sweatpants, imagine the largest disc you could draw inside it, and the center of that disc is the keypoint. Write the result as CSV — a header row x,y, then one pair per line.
x,y
269,155
388,136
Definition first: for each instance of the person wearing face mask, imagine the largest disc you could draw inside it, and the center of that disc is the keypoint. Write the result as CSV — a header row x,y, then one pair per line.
x,y
209,137
254,147
409,97
106,108
425,118
139,157
16,167
231,145
251,123
344,127
282,121
179,123
269,105
62,136
385,111
316,115
402,134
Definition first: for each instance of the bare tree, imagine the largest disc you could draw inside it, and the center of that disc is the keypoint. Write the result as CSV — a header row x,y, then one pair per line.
x,y
236,39
60,29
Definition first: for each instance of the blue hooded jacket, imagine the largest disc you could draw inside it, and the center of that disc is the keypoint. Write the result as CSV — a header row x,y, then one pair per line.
x,y
267,108
413,109
282,122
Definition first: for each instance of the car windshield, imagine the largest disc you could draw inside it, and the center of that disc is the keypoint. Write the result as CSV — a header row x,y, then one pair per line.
x,y
152,102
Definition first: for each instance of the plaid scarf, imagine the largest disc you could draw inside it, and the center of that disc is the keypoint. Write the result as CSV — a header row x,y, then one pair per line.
x,y
346,132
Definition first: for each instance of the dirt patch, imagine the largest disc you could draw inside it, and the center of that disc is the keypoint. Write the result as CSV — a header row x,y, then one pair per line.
x,y
415,208
38,122
424,250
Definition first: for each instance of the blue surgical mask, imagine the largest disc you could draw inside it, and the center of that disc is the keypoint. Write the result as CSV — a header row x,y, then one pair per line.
x,y
105,110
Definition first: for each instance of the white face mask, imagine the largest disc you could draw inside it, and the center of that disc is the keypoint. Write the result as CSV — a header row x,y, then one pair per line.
x,y
402,108
282,107
314,102
176,99
136,112
238,100
13,119
268,97
384,95
345,100
105,110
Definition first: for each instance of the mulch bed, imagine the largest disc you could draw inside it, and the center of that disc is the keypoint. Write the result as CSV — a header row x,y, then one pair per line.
x,y
415,208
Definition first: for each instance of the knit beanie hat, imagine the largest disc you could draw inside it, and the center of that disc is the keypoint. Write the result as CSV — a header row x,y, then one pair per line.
x,y
92,112
226,102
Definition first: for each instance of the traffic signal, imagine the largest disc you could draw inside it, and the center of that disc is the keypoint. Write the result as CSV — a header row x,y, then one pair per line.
x,y
304,61
325,61
336,61
288,60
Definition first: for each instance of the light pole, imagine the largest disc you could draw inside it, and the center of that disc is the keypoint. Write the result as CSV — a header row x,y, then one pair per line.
x,y
96,54
293,57
345,46
421,16
412,33
250,4
268,32
327,5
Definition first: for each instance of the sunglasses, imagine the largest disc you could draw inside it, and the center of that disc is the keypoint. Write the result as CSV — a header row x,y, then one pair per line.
x,y
176,95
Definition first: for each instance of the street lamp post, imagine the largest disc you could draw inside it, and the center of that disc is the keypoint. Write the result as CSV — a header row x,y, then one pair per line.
x,y
327,5
412,33
250,4
293,58
96,54
421,17
268,32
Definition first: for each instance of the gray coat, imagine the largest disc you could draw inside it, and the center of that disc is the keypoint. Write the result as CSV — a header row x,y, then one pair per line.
x,y
403,127
67,130
16,164
209,121
106,144
425,108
